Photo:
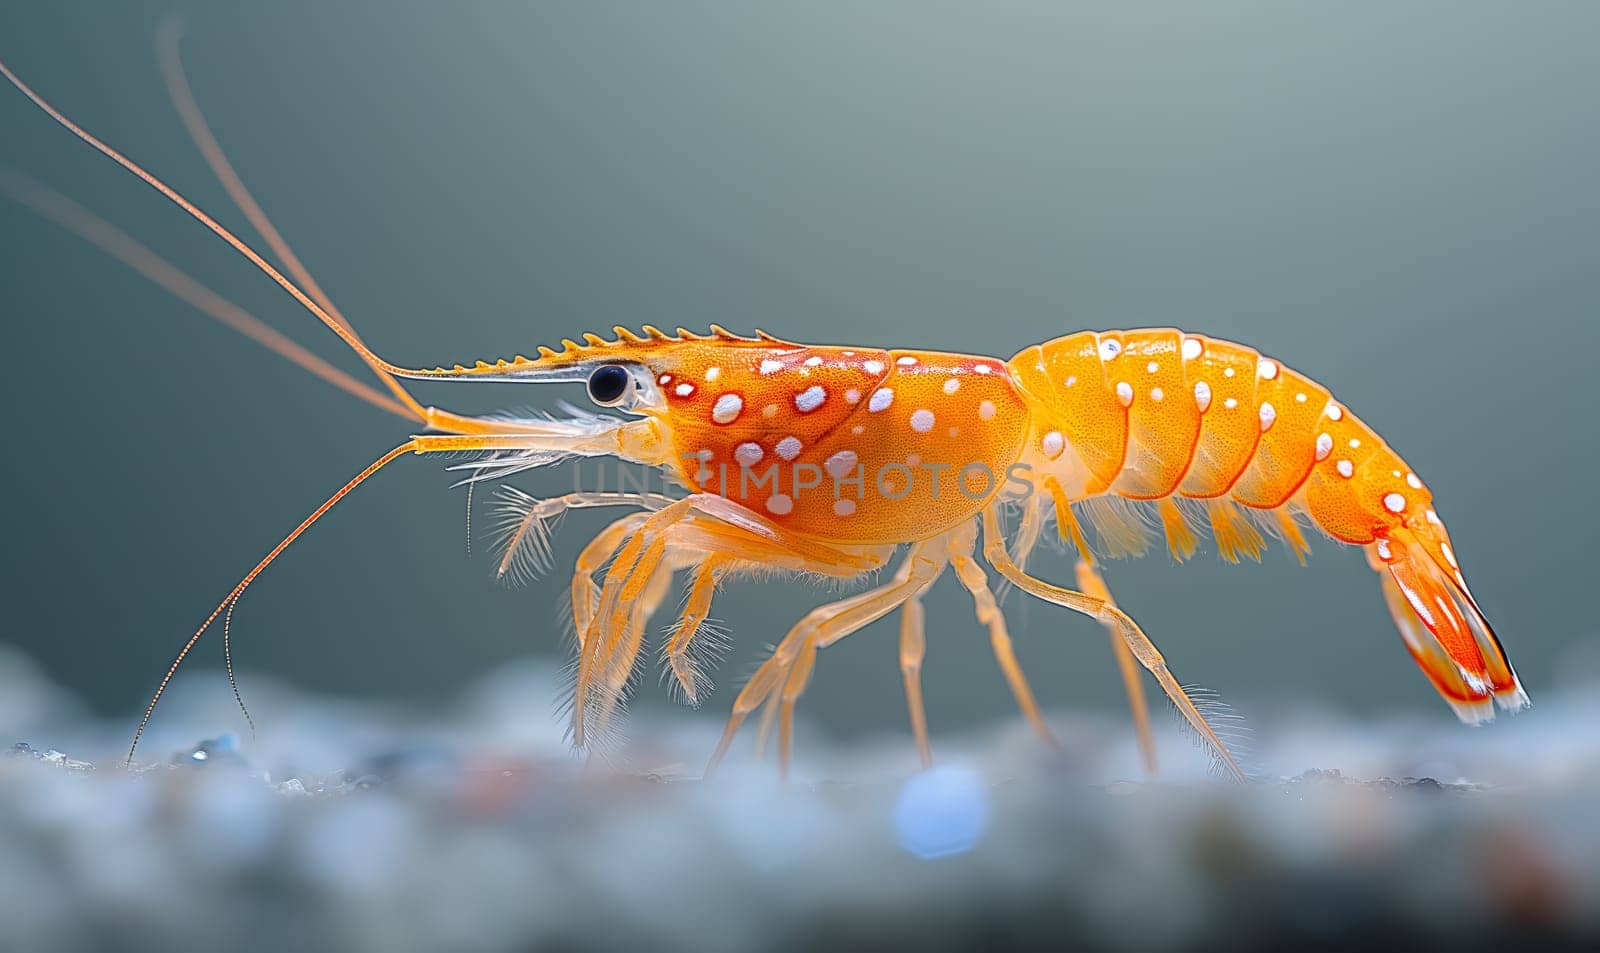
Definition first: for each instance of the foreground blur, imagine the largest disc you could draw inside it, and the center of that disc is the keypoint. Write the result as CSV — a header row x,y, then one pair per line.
x,y
350,825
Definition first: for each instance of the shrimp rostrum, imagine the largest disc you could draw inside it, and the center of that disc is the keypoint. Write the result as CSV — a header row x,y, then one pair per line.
x,y
841,461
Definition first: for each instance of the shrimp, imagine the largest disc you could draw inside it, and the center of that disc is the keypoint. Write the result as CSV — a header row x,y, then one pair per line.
x,y
832,461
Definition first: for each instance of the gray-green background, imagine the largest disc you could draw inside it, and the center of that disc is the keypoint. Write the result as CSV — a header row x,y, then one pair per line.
x,y
1397,198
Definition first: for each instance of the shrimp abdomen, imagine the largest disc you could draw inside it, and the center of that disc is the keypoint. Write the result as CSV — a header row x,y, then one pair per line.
x,y
1065,382
1149,378
1152,413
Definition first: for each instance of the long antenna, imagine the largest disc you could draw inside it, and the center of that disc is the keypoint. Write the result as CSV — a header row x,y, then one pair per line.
x,y
168,38
226,605
345,334
126,249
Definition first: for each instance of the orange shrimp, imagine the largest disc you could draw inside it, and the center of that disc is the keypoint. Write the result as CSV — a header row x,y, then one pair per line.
x,y
828,460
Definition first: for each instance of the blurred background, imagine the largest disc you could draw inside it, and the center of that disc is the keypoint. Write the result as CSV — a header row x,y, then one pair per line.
x,y
1398,199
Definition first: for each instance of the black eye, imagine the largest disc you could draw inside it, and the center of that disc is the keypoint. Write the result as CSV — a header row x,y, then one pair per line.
x,y
608,384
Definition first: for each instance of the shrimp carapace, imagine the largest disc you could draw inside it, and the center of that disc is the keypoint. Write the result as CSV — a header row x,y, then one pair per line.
x,y
798,432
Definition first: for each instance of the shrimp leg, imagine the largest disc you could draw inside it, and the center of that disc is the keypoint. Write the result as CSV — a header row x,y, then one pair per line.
x,y
620,663
976,583
769,715
913,645
620,668
693,537
1139,643
1090,583
695,524
1025,539
923,572
785,674
695,610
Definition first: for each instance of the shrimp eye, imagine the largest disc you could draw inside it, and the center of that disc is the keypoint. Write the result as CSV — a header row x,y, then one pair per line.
x,y
609,384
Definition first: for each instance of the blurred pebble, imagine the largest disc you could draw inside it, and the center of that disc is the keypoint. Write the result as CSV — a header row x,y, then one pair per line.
x,y
941,812
487,835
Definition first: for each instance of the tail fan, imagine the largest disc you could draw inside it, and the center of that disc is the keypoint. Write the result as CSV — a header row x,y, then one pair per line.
x,y
1444,629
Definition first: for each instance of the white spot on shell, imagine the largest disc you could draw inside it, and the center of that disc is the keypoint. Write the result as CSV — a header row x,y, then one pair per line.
x,y
1333,411
986,410
814,361
1072,380
1324,446
727,408
1413,481
1227,372
1269,414
1125,393
842,507
1230,403
780,504
771,410
1383,550
1202,395
1346,469
712,373
664,379
951,386
982,369
881,399
1053,444
685,389
1394,503
907,361
1433,518
748,454
1191,348
1156,394
852,396
858,430
1300,398
1152,367
771,367
1449,555
841,464
810,399
788,448
1354,443
1110,348
914,460
922,420
1267,369
873,367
